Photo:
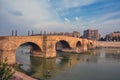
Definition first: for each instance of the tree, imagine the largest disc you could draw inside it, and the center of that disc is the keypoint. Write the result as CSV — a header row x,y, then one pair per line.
x,y
6,71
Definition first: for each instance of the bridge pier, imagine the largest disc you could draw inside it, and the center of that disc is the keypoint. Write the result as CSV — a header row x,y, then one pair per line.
x,y
50,54
84,46
49,48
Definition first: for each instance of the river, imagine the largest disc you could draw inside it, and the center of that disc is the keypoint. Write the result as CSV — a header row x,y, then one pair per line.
x,y
98,64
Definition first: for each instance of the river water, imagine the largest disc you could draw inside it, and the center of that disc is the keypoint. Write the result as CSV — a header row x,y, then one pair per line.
x,y
98,64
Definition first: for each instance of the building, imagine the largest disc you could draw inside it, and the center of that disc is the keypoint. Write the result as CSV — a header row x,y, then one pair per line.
x,y
115,36
91,34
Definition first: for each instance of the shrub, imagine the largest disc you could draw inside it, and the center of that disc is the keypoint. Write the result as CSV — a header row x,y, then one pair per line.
x,y
6,71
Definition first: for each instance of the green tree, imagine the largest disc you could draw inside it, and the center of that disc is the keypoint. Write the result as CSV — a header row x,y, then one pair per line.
x,y
6,71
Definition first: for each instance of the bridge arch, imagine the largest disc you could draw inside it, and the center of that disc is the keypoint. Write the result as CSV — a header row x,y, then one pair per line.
x,y
62,44
90,45
35,49
78,44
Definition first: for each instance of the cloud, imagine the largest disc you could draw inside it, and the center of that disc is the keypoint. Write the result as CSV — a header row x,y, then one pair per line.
x,y
63,5
33,10
54,26
109,16
49,0
106,23
106,18
67,20
76,3
15,13
56,15
24,15
77,19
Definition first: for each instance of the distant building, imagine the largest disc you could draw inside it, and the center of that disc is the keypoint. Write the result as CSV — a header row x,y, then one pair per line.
x,y
76,34
91,34
115,36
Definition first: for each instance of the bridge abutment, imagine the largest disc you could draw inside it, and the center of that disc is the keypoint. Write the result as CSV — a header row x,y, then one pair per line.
x,y
10,55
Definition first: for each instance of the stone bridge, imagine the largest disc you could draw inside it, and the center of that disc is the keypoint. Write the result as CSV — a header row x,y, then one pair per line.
x,y
46,45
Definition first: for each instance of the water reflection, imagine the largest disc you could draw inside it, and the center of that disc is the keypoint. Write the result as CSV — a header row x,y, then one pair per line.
x,y
22,57
97,62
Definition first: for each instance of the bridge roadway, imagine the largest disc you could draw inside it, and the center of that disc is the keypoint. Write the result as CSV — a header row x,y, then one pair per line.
x,y
47,44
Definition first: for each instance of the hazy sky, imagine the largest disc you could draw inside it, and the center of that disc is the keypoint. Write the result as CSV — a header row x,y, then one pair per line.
x,y
59,15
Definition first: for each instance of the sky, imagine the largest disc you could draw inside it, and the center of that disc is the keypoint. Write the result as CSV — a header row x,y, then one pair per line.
x,y
59,16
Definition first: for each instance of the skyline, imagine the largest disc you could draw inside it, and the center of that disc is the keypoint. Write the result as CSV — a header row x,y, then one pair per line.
x,y
59,16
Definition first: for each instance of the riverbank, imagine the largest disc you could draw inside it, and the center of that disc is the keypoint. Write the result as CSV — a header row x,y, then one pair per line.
x,y
22,76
